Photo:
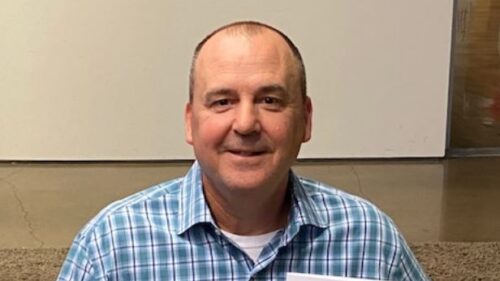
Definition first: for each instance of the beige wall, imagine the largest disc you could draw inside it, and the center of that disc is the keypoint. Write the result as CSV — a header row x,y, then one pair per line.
x,y
93,80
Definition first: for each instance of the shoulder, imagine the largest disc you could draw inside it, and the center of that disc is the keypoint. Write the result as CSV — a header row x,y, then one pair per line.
x,y
351,220
135,208
339,208
120,227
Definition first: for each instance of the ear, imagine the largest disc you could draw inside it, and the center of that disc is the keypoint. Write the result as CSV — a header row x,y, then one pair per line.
x,y
307,119
188,123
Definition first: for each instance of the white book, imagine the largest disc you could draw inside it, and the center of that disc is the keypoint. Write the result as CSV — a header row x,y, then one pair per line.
x,y
294,276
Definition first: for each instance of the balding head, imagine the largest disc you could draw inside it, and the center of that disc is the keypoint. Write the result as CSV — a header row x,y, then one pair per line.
x,y
249,29
248,114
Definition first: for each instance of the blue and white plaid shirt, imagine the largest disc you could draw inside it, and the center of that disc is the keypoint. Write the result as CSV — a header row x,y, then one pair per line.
x,y
167,233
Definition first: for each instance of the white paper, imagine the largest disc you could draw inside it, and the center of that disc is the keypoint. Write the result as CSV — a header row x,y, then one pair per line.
x,y
294,276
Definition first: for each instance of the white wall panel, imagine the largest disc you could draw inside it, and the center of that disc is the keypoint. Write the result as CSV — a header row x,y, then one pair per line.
x,y
107,80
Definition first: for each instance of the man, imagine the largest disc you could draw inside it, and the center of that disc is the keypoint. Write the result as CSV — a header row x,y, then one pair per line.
x,y
240,213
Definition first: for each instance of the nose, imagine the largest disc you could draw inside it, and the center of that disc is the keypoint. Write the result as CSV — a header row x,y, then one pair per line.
x,y
246,121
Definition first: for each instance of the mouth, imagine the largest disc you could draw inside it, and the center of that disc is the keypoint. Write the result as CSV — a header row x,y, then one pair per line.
x,y
246,153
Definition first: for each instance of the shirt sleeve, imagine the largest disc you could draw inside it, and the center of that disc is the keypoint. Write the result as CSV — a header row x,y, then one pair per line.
x,y
408,267
78,264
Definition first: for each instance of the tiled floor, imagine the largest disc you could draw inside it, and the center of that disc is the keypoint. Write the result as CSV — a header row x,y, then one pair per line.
x,y
44,205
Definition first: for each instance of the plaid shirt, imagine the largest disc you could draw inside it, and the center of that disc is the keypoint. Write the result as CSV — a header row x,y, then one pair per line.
x,y
167,232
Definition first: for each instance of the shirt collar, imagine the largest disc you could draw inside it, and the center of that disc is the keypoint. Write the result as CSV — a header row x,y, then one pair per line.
x,y
193,208
304,210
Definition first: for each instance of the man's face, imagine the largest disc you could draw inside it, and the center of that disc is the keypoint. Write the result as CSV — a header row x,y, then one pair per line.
x,y
247,118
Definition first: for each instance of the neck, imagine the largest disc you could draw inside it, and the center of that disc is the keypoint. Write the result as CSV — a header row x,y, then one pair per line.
x,y
248,212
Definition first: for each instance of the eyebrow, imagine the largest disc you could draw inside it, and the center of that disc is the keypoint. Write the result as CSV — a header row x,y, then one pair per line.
x,y
273,88
221,92
225,92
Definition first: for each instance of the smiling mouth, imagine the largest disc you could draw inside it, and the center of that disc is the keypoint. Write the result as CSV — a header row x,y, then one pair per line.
x,y
245,153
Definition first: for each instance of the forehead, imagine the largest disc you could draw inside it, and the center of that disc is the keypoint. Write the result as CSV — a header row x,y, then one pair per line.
x,y
264,49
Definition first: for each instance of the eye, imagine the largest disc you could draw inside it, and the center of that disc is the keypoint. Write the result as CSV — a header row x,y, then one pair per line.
x,y
221,102
270,100
271,103
221,105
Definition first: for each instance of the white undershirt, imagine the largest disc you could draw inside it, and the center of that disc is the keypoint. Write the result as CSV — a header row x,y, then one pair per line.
x,y
252,245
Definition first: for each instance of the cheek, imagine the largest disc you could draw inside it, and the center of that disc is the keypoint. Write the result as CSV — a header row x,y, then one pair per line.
x,y
283,130
210,129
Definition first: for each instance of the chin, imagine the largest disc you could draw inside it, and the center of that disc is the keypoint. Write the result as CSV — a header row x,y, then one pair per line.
x,y
267,178
251,177
245,182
